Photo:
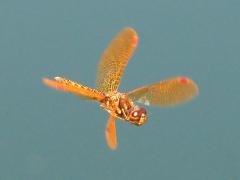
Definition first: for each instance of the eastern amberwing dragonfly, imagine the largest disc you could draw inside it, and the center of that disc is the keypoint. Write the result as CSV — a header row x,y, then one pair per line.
x,y
121,105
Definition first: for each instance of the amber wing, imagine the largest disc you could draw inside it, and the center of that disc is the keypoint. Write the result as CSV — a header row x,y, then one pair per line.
x,y
114,60
78,89
111,133
166,93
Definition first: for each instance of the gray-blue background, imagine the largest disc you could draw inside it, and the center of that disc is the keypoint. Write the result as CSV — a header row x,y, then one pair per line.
x,y
45,134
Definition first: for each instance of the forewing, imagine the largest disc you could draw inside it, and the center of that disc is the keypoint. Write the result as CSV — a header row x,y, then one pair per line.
x,y
110,133
73,87
114,60
166,93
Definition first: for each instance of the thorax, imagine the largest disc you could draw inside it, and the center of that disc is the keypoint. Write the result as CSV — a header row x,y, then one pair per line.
x,y
121,106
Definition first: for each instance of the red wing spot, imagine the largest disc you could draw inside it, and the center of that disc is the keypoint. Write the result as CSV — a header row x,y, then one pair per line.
x,y
183,80
135,41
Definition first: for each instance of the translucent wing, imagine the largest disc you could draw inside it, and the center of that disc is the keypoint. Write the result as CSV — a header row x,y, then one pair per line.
x,y
75,88
110,133
114,60
166,93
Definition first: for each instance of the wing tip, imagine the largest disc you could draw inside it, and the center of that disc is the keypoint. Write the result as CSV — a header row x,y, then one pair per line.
x,y
135,41
188,81
184,80
112,144
134,35
113,147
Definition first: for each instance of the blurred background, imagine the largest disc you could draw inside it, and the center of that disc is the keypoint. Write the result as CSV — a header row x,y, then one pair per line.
x,y
50,135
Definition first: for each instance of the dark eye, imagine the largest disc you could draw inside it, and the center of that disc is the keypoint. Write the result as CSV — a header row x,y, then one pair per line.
x,y
138,117
142,111
138,113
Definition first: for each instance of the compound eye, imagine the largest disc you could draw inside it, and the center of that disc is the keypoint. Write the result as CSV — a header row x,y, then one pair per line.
x,y
142,112
138,117
138,113
135,113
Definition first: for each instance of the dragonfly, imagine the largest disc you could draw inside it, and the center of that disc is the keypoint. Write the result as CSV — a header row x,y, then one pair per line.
x,y
122,105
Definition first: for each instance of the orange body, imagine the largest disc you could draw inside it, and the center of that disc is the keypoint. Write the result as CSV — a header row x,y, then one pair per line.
x,y
121,105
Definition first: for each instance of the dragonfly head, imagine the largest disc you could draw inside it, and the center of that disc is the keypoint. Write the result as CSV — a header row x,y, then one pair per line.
x,y
138,116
